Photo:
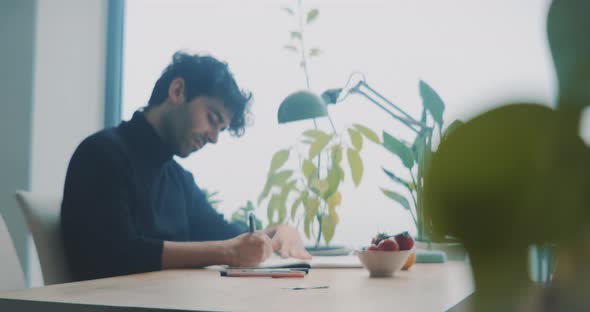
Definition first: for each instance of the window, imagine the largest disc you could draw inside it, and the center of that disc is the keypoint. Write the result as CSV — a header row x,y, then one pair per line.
x,y
475,54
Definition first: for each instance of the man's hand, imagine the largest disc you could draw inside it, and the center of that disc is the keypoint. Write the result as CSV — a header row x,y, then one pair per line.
x,y
287,242
249,249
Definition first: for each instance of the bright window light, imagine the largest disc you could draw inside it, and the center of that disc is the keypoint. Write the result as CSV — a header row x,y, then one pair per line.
x,y
475,54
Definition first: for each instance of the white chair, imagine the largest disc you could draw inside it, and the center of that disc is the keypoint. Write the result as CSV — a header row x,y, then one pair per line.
x,y
42,213
11,274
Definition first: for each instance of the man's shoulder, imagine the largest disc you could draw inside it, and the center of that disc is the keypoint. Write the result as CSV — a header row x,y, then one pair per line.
x,y
109,136
177,169
104,142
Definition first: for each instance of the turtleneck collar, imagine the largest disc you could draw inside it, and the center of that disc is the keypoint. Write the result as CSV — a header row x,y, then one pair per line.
x,y
145,140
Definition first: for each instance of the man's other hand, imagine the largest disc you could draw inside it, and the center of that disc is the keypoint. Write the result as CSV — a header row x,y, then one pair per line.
x,y
286,241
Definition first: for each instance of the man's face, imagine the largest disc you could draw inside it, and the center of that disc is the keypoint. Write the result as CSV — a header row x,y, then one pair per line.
x,y
197,123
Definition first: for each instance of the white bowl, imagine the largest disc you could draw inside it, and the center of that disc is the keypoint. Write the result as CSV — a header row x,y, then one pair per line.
x,y
383,263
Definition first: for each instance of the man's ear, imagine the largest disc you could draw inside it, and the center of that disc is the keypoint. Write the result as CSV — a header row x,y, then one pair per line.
x,y
176,91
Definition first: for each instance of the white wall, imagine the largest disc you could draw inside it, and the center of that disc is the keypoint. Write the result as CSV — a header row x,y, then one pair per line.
x,y
17,37
66,91
69,84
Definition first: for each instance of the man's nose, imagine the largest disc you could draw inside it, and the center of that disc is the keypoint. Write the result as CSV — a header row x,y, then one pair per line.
x,y
213,135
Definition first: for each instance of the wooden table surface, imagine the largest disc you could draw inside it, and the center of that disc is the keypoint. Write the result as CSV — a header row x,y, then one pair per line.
x,y
425,287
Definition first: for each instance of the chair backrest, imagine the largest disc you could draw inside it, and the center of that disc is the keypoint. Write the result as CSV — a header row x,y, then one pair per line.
x,y
11,274
42,213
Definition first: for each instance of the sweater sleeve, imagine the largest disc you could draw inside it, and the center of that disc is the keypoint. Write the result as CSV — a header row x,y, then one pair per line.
x,y
205,222
98,232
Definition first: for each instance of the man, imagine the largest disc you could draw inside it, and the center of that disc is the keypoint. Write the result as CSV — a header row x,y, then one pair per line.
x,y
128,207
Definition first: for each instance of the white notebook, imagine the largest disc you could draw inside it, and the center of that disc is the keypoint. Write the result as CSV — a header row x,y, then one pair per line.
x,y
351,261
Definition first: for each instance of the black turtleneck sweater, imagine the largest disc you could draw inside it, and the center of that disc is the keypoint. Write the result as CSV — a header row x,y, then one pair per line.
x,y
124,195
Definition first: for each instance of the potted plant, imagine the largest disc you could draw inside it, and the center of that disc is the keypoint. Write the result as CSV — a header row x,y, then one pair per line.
x,y
415,157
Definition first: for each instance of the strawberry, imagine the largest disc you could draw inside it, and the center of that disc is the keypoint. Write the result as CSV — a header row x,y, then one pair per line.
x,y
388,244
380,236
404,240
373,247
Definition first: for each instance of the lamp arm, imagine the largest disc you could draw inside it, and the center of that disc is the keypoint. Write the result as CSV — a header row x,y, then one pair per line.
x,y
401,119
406,118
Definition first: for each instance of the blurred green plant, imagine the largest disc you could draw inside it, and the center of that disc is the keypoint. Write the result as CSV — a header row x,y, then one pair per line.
x,y
239,217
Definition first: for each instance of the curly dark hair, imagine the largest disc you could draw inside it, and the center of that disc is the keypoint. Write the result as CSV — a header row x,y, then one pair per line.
x,y
205,76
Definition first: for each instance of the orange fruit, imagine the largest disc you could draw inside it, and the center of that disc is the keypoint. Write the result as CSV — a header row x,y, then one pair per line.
x,y
410,261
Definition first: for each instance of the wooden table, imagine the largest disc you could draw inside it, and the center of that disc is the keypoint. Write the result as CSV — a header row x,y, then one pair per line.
x,y
425,287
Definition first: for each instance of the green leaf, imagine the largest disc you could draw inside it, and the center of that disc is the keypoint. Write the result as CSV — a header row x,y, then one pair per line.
x,y
314,52
266,190
306,226
282,205
399,149
328,228
311,210
312,207
356,139
341,173
291,47
368,133
289,11
281,177
397,197
294,207
318,145
334,200
356,166
312,15
333,181
399,180
289,186
278,160
295,35
314,184
315,134
336,153
432,102
271,208
323,186
418,147
334,214
308,168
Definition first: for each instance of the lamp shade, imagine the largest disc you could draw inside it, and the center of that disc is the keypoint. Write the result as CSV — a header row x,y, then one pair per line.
x,y
301,105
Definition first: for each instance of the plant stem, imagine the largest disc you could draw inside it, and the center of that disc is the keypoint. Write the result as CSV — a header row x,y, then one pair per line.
x,y
317,242
414,199
302,45
418,184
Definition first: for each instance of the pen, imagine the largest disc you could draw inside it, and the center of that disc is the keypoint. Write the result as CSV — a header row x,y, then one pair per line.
x,y
279,274
251,222
269,270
